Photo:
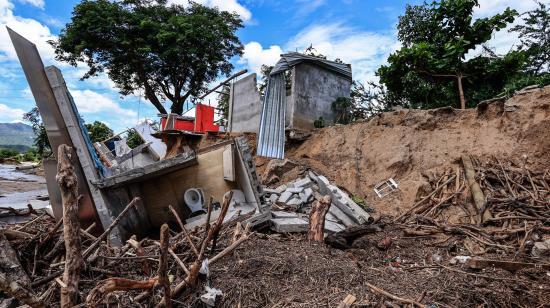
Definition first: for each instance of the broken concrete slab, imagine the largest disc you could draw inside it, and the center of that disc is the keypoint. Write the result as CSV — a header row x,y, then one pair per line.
x,y
294,201
341,216
305,182
271,191
273,198
313,176
289,225
283,214
295,190
308,193
333,227
285,197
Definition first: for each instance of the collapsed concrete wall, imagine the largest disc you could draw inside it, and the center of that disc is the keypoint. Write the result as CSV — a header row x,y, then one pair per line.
x,y
314,88
244,106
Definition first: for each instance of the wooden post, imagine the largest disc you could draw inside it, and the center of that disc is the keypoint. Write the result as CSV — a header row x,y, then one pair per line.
x,y
477,193
317,219
163,264
68,185
461,91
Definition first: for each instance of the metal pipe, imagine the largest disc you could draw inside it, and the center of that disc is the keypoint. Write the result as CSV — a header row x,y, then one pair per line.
x,y
223,83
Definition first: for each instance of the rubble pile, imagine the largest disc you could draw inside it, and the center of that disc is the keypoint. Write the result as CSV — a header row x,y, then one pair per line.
x,y
291,205
32,263
514,215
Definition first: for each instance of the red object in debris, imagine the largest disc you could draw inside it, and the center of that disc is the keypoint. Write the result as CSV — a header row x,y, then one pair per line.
x,y
202,123
204,119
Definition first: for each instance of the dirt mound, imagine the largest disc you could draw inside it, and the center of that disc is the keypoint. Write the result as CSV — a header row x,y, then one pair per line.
x,y
412,145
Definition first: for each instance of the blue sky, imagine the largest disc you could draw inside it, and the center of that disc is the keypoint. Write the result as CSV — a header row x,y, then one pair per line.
x,y
360,32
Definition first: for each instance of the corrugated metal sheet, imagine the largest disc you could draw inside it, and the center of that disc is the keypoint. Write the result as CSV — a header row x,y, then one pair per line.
x,y
291,59
271,135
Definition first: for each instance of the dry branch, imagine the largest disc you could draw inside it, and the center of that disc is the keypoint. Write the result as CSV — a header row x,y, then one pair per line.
x,y
15,290
162,272
115,222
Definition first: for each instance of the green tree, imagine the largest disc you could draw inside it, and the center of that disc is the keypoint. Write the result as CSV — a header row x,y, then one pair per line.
x,y
170,52
98,131
436,38
43,148
223,105
535,38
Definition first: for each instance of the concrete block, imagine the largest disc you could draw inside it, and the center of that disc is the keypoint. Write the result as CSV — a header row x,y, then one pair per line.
x,y
285,197
308,192
340,215
305,182
281,189
313,176
271,191
295,190
332,227
302,197
289,225
283,214
294,201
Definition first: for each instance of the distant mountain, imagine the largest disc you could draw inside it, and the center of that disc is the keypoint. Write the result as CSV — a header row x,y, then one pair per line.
x,y
14,134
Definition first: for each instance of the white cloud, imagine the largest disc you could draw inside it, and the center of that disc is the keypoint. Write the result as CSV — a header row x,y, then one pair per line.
x,y
306,7
364,50
89,101
8,114
37,3
31,29
225,5
254,56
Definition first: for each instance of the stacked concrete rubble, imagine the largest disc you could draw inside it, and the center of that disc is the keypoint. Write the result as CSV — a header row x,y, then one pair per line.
x,y
291,203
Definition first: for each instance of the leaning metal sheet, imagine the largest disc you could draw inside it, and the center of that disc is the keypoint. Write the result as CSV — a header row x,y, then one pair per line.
x,y
271,135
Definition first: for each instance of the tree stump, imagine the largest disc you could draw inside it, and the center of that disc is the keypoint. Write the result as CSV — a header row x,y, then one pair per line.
x,y
317,219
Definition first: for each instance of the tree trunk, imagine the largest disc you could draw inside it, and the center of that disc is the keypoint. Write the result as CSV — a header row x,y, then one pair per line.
x,y
477,193
317,219
461,91
150,95
68,185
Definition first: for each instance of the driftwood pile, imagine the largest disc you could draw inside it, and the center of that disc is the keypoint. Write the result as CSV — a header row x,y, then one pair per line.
x,y
49,263
496,205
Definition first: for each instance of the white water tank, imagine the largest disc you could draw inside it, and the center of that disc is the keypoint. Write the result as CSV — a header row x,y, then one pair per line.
x,y
194,199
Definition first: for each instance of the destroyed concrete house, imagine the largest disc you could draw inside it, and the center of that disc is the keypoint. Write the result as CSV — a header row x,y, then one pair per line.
x,y
107,182
315,83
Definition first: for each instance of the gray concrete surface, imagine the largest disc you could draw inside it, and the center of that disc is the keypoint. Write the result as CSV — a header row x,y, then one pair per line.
x,y
245,107
313,90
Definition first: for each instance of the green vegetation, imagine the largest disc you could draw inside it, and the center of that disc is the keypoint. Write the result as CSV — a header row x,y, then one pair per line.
x,y
41,142
98,131
223,105
170,52
29,155
432,68
133,140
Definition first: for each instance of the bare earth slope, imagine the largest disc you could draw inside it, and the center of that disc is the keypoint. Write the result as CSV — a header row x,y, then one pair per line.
x,y
409,145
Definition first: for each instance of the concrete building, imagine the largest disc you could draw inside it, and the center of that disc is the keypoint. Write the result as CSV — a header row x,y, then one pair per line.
x,y
314,88
315,84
